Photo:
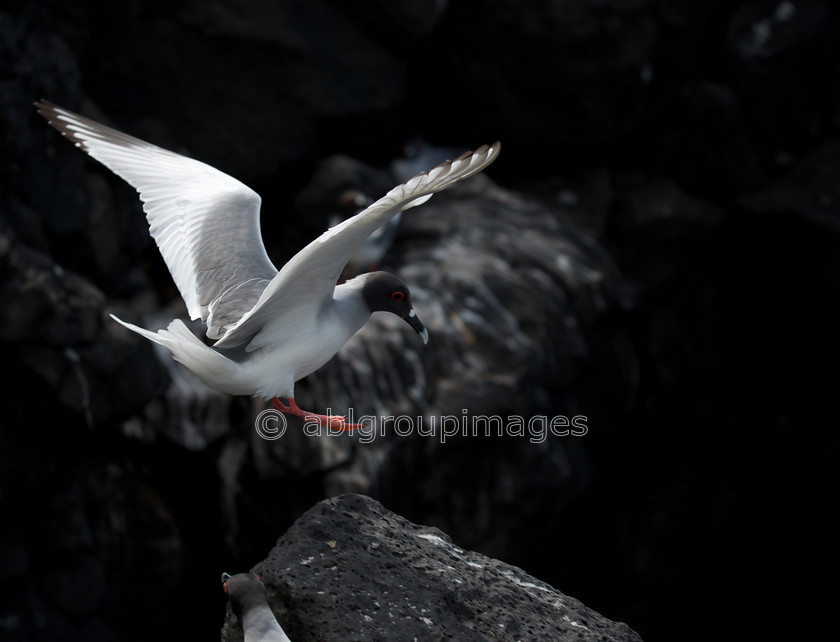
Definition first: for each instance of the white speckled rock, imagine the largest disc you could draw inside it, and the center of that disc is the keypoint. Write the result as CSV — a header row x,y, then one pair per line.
x,y
349,569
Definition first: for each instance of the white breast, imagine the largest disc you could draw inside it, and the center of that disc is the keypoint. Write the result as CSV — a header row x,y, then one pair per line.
x,y
301,344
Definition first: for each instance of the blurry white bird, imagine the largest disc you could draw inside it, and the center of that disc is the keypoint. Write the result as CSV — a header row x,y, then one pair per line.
x,y
248,600
271,328
417,155
370,253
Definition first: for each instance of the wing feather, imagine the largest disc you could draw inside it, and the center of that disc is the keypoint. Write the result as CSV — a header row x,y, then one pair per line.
x,y
310,276
206,226
205,223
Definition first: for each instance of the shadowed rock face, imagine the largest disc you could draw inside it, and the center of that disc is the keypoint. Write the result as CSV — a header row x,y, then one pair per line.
x,y
657,250
350,569
509,291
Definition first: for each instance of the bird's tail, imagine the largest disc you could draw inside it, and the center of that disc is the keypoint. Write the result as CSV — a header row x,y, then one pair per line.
x,y
184,346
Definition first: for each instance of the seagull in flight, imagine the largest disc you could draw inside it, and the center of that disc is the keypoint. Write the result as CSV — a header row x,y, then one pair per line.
x,y
269,327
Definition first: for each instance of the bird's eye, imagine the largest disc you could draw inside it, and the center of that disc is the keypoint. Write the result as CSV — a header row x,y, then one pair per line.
x,y
397,295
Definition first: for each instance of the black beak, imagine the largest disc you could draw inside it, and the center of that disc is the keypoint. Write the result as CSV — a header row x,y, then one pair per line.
x,y
414,321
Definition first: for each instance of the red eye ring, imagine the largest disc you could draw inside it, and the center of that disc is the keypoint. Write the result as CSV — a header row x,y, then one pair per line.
x,y
397,295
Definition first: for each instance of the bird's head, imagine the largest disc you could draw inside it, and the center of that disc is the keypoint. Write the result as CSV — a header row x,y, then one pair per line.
x,y
244,590
385,292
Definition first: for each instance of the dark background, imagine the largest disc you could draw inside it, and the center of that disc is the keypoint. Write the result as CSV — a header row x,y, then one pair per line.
x,y
699,145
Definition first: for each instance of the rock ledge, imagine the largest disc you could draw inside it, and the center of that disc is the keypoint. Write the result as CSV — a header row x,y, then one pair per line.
x,y
350,569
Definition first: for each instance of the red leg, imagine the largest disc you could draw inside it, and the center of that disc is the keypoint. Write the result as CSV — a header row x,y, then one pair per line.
x,y
279,405
336,422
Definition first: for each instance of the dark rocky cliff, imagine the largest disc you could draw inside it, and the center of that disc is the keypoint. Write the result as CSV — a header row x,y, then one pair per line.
x,y
348,569
656,249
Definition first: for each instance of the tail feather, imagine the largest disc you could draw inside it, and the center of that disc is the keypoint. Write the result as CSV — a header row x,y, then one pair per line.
x,y
185,347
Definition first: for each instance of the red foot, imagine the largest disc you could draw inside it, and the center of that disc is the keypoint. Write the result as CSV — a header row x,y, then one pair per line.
x,y
336,422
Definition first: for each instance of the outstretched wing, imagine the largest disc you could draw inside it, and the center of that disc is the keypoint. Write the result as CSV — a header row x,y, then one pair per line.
x,y
205,223
310,276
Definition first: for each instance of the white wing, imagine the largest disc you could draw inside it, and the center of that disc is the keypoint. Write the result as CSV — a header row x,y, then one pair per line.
x,y
309,278
205,223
